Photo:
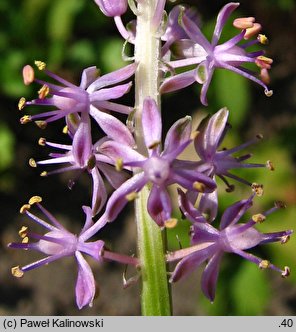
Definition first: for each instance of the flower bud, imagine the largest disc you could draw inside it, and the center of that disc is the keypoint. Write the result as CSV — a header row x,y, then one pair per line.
x,y
112,7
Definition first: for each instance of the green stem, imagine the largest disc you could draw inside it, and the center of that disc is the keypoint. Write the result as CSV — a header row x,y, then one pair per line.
x,y
155,297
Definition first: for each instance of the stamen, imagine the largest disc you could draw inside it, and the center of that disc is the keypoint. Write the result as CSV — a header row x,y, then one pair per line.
x,y
263,62
264,264
41,124
194,134
23,232
286,272
264,75
22,103
154,145
259,136
17,272
25,240
131,196
171,223
32,162
258,218
43,92
230,188
40,64
244,22
25,119
119,165
262,39
28,74
35,199
24,208
250,32
268,93
257,189
285,239
43,174
199,186
42,141
280,205
269,165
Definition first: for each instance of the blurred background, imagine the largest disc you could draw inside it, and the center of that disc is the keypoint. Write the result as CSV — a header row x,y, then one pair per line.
x,y
70,35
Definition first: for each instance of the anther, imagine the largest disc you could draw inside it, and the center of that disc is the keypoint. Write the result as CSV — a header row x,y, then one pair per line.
x,y
171,223
32,162
264,75
17,272
230,188
65,130
280,204
43,91
28,75
259,136
269,165
154,145
244,22
262,39
35,199
21,104
258,218
24,208
25,119
264,264
257,189
25,240
42,141
23,232
285,239
43,174
131,196
250,32
263,62
268,93
199,186
119,164
41,124
194,134
40,64
286,272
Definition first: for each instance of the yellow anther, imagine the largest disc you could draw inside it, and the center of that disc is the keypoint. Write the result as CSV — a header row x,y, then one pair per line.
x,y
21,104
119,164
43,174
171,223
65,130
42,141
32,162
131,196
262,39
244,22
154,145
194,134
35,199
280,205
258,218
269,165
199,186
40,64
285,239
264,264
17,272
25,119
263,62
268,93
286,272
257,189
28,74
24,208
23,232
43,91
41,124
254,30
25,240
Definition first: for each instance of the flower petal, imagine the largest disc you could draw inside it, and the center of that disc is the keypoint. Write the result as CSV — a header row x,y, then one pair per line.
x,y
178,81
115,151
99,193
85,284
151,122
110,93
89,75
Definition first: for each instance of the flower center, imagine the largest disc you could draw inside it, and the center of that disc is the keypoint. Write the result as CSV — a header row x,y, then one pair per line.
x,y
157,170
75,99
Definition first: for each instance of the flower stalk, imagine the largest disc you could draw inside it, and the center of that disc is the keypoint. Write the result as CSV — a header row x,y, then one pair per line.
x,y
155,297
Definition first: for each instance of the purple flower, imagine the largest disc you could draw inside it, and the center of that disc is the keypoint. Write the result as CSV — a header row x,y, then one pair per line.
x,y
209,55
112,8
209,243
58,243
82,155
214,162
92,96
161,169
